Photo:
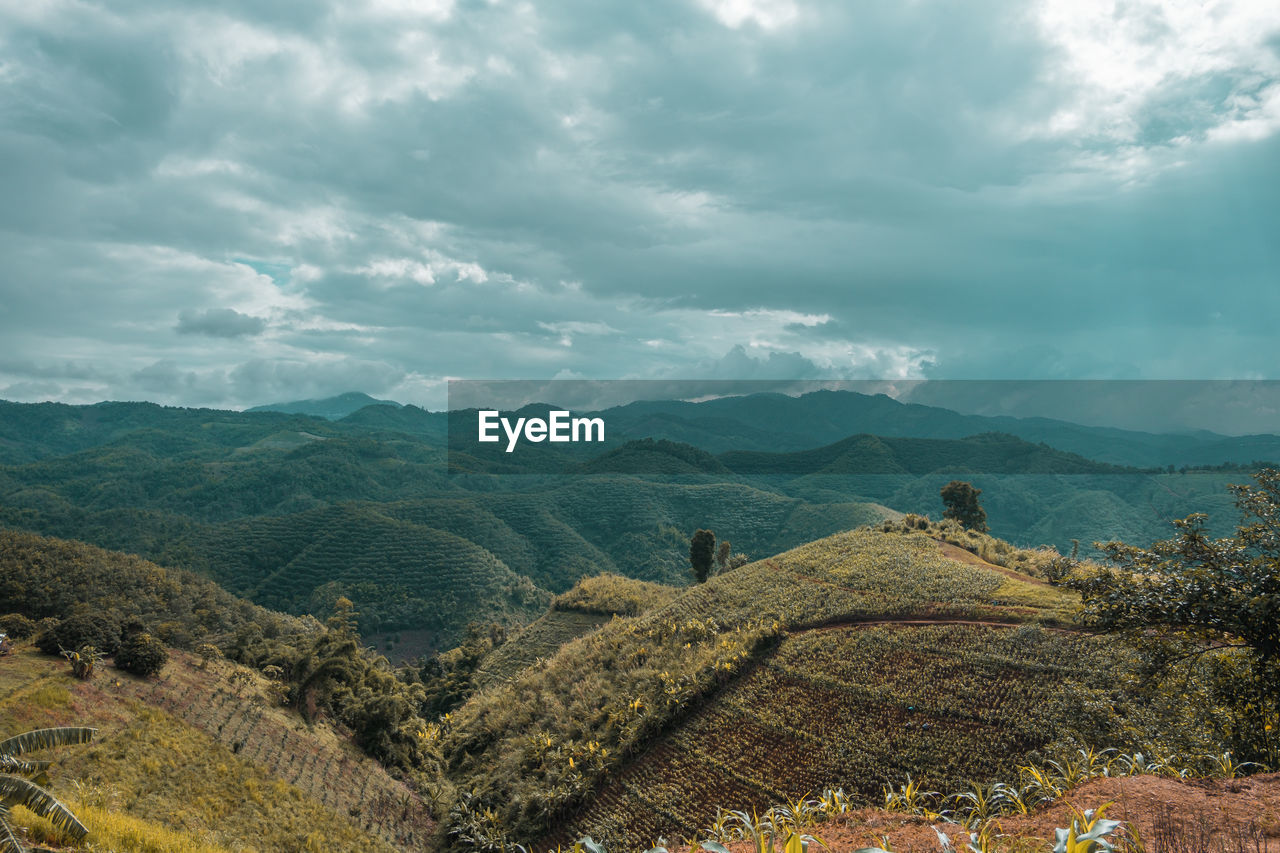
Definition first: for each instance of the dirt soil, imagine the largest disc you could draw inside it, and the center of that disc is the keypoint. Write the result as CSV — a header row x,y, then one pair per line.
x,y
960,555
1194,815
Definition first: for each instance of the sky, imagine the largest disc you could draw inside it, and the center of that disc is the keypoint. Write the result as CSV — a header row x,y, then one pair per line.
x,y
233,203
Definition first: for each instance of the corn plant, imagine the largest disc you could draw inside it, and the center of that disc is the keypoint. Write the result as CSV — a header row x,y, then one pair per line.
x,y
1038,785
1010,799
759,831
911,798
1139,764
982,841
797,814
1088,832
834,801
723,828
979,804
1225,766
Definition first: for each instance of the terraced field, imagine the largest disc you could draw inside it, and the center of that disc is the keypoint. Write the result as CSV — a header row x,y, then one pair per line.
x,y
540,639
538,746
858,707
324,766
187,753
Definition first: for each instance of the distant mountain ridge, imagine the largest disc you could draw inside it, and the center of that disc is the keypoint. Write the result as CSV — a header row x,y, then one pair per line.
x,y
781,423
332,408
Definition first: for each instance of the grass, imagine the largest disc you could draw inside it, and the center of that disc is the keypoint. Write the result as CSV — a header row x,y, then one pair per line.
x,y
610,595
113,831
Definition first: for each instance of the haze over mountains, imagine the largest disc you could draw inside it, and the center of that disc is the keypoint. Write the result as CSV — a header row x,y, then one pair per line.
x,y
331,408
773,422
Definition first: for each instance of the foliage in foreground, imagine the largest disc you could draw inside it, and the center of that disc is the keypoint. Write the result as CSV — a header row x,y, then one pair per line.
x,y
1192,596
975,811
1040,784
22,780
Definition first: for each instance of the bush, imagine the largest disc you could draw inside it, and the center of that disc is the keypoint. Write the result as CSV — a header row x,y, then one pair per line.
x,y
85,629
17,626
142,654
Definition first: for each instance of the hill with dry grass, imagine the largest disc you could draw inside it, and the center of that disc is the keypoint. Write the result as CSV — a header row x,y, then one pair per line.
x,y
196,760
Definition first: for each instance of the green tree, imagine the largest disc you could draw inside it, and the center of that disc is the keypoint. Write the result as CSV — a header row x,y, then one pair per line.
x,y
702,549
1194,595
960,502
22,781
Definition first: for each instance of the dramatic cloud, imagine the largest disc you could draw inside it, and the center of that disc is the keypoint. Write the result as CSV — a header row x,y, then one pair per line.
x,y
232,203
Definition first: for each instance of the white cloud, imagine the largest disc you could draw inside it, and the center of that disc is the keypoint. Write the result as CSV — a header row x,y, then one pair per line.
x,y
1200,63
766,14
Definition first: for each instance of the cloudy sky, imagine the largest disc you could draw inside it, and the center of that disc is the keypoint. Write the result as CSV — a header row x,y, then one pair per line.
x,y
239,202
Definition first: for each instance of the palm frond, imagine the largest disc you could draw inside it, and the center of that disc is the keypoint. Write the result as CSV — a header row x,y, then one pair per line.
x,y
22,766
45,738
19,791
9,842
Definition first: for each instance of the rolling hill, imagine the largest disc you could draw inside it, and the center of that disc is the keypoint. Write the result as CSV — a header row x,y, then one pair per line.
x,y
783,423
747,687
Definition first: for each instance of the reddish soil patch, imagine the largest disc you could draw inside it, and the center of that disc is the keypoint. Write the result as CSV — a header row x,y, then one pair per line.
x,y
1237,814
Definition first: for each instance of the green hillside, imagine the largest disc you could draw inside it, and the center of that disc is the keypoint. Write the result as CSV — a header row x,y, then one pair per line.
x,y
857,707
593,601
990,453
294,511
537,746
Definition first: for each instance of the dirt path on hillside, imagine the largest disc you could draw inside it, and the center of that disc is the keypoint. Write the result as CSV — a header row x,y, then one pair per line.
x,y
909,621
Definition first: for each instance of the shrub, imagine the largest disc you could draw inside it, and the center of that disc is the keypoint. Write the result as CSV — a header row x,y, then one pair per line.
x,y
207,652
84,629
142,654
17,626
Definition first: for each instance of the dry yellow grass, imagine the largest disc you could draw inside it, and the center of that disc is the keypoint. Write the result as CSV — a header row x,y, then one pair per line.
x,y
150,782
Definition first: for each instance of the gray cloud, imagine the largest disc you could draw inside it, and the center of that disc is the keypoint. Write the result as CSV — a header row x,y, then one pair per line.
x,y
219,323
378,195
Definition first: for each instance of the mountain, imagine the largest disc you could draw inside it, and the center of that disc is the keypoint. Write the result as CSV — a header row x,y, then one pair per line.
x,y
433,426
778,422
332,408
648,456
385,508
990,453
